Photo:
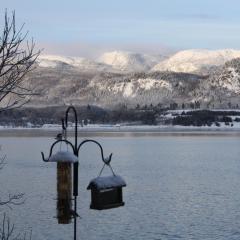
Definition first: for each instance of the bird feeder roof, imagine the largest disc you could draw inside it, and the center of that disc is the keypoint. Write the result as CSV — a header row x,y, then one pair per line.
x,y
107,182
62,156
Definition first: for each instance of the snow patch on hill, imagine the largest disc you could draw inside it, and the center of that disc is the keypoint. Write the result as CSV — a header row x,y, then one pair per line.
x,y
128,90
149,83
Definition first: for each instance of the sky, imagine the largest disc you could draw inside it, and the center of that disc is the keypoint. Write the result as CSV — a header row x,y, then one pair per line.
x,y
88,28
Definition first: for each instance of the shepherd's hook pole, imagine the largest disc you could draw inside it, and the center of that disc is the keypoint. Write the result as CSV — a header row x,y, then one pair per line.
x,y
75,166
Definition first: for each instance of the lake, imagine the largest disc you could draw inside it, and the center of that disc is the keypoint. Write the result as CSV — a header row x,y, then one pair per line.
x,y
179,186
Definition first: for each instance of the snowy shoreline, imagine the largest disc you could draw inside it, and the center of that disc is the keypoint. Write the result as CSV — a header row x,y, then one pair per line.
x,y
51,130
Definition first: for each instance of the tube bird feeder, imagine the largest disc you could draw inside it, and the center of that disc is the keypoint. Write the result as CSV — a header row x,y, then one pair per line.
x,y
64,185
64,192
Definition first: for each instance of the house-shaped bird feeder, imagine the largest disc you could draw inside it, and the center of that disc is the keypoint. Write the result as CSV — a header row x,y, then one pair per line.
x,y
106,192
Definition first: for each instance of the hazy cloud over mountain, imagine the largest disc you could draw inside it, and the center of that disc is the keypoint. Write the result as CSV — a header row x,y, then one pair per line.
x,y
93,51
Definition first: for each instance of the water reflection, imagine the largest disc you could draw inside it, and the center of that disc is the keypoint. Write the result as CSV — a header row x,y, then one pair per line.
x,y
180,186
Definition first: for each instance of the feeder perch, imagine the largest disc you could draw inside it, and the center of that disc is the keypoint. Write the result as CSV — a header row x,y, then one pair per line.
x,y
106,192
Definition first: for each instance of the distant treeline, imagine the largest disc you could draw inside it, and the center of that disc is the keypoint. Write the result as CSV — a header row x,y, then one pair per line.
x,y
95,115
86,114
205,118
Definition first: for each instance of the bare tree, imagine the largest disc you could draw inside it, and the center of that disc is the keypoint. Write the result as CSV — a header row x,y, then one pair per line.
x,y
7,231
17,58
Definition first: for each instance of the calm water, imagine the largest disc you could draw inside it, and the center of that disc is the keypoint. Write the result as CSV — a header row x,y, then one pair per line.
x,y
180,186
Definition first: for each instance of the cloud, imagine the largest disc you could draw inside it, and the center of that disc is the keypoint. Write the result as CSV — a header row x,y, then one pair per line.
x,y
94,50
194,16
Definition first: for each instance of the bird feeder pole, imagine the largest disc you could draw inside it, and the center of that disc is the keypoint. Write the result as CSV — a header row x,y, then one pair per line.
x,y
73,158
75,165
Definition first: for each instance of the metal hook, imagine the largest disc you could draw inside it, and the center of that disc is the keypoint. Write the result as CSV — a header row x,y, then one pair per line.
x,y
106,160
51,149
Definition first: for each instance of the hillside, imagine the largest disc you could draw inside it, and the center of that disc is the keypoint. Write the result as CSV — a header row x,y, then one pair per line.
x,y
70,86
196,60
110,83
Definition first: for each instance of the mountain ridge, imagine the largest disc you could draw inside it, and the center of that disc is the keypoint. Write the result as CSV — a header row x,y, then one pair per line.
x,y
77,81
193,60
189,61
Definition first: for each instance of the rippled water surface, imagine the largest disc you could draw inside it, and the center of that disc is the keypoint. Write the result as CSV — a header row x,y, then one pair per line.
x,y
180,186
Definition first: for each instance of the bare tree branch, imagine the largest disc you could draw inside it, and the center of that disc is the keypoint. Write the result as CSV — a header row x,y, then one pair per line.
x,y
17,58
7,231
15,199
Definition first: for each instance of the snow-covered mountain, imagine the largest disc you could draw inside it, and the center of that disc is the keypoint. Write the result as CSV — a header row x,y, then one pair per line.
x,y
106,89
194,61
222,88
82,64
117,61
188,61
124,78
129,61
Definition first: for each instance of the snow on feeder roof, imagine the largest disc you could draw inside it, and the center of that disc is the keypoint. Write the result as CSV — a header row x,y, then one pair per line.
x,y
107,182
106,192
62,156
